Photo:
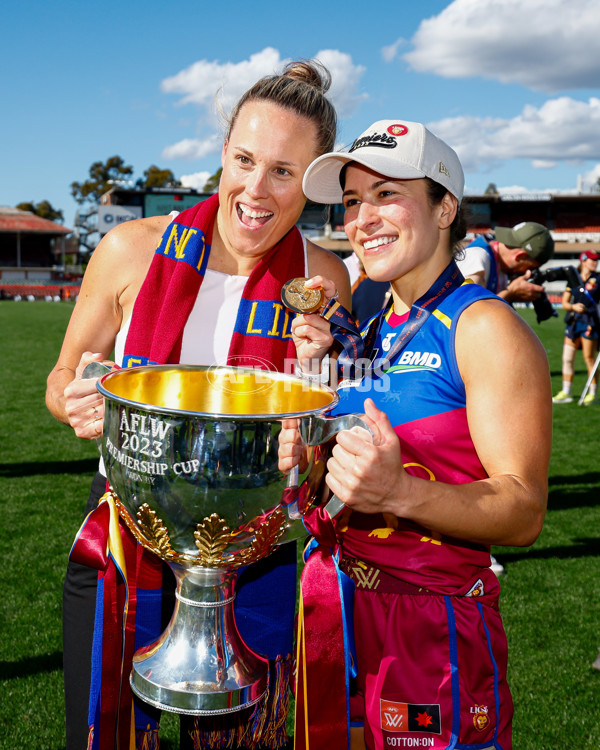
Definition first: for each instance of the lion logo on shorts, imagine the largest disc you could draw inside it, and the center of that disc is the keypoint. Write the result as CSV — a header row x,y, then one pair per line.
x,y
480,717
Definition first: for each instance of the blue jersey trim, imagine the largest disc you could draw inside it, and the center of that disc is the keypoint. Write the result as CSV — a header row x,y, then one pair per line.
x,y
494,741
495,666
423,380
463,298
453,651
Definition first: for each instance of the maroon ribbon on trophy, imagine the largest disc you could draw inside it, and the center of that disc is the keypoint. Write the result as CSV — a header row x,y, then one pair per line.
x,y
321,717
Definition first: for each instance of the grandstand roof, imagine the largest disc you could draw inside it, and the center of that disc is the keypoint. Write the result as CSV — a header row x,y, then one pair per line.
x,y
13,220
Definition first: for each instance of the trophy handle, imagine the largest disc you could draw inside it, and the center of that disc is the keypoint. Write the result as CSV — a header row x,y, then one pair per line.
x,y
316,430
95,370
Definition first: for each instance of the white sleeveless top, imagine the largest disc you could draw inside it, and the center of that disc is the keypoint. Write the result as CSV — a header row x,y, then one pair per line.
x,y
209,328
214,310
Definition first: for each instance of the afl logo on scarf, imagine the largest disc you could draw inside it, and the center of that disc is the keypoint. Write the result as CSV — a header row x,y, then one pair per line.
x,y
397,130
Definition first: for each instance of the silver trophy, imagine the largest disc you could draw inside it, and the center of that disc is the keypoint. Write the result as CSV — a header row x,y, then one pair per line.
x,y
192,456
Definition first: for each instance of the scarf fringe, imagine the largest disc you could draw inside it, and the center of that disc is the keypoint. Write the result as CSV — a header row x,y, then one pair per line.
x,y
263,727
147,739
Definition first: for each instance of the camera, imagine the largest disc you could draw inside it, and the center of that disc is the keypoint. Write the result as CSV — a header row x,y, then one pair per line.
x,y
542,305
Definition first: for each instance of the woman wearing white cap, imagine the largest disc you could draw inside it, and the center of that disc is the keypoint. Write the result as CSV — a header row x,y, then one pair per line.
x,y
457,398
582,329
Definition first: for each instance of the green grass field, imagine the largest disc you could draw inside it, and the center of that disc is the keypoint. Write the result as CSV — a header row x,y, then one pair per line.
x,y
550,592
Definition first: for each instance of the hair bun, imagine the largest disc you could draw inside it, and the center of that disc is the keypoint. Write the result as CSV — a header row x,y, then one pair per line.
x,y
300,88
312,72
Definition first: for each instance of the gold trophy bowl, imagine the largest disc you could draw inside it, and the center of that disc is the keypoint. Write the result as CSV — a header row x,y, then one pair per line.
x,y
191,453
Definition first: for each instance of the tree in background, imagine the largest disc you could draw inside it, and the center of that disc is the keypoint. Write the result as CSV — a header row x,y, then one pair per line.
x,y
212,184
155,177
113,172
44,209
491,189
102,177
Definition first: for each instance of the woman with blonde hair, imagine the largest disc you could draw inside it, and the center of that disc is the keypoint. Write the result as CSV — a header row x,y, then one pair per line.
x,y
169,290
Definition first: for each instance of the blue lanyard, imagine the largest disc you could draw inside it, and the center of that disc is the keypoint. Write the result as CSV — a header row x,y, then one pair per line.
x,y
356,346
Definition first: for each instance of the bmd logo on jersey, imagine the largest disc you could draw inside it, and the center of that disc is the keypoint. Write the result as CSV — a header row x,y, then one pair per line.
x,y
421,359
413,361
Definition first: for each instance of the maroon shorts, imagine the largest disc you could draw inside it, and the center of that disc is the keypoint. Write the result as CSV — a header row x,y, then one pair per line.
x,y
431,672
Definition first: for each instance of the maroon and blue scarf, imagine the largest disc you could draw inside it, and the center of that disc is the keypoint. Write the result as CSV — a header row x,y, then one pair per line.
x,y
261,338
263,326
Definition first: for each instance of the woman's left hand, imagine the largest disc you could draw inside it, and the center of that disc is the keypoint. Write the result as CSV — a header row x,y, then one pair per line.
x,y
365,471
310,332
84,406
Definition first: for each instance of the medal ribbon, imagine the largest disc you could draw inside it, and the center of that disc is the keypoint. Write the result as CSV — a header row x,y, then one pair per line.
x,y
449,280
325,624
357,345
583,292
345,331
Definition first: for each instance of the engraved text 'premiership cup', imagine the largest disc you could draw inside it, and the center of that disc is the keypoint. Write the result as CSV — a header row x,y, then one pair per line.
x,y
192,454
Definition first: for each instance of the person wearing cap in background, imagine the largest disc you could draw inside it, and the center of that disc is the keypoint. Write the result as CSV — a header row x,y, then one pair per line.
x,y
442,476
582,328
502,262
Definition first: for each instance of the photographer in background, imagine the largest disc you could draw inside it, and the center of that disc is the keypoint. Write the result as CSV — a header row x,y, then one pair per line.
x,y
582,327
502,262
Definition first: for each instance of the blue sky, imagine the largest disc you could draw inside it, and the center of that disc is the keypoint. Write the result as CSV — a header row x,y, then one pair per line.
x,y
512,85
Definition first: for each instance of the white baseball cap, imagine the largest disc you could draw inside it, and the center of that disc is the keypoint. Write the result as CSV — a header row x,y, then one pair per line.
x,y
394,148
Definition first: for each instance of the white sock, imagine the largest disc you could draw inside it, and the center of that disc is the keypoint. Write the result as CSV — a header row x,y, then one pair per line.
x,y
593,387
566,386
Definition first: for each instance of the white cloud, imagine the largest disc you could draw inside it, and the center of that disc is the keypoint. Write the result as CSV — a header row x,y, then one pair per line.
x,y
345,79
590,179
390,52
520,190
205,82
197,180
562,130
546,45
514,190
193,148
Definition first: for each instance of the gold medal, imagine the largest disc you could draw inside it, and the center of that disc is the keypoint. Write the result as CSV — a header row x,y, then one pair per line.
x,y
297,297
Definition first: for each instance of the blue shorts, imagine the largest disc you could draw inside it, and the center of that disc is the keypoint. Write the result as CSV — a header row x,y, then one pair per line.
x,y
579,329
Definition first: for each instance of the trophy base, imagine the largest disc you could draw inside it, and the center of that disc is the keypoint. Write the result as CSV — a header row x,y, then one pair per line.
x,y
200,665
185,699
